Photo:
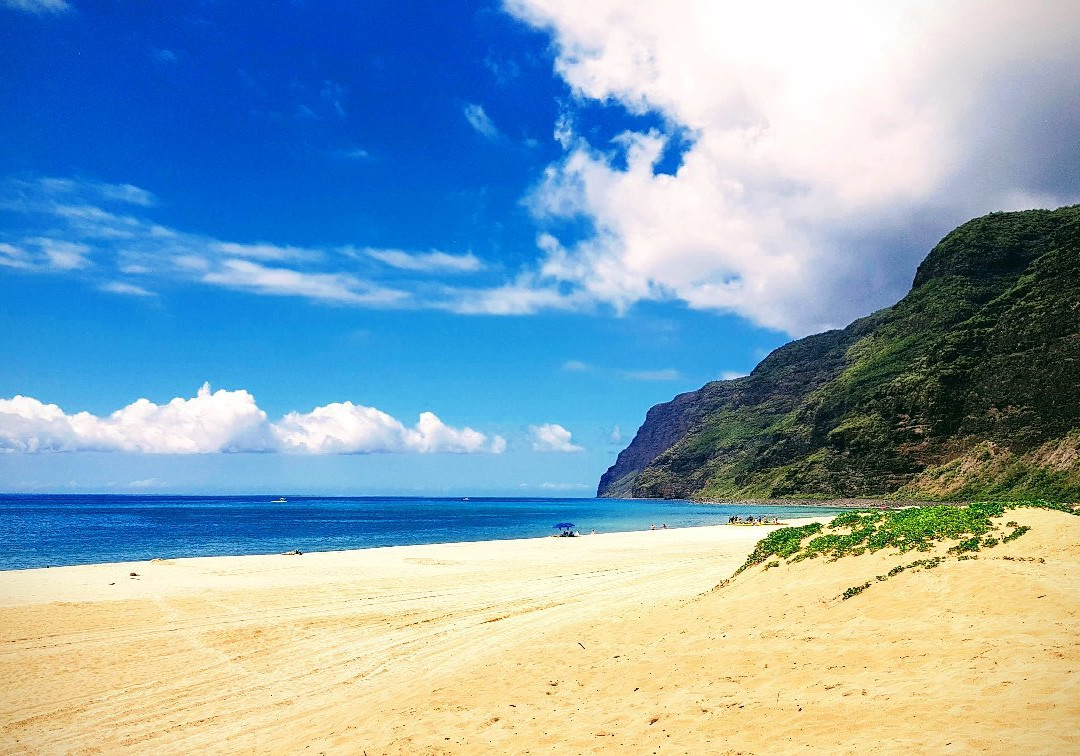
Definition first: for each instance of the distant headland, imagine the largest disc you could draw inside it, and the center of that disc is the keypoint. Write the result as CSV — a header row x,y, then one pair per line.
x,y
964,389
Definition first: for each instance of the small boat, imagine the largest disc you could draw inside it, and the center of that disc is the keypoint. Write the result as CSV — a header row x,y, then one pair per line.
x,y
280,501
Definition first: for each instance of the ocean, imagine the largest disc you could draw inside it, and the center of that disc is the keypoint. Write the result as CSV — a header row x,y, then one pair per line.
x,y
55,530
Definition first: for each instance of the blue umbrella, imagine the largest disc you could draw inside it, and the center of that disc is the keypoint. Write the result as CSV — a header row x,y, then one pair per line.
x,y
564,525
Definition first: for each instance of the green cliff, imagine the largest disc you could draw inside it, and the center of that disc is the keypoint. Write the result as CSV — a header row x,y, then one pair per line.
x,y
968,387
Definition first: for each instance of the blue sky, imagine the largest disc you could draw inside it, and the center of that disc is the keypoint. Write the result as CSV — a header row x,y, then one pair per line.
x,y
531,219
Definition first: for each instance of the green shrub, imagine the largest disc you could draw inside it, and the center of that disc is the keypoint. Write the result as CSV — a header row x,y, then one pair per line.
x,y
782,543
971,527
855,590
1019,531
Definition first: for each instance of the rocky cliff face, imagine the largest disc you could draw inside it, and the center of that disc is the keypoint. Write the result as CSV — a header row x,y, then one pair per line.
x,y
967,387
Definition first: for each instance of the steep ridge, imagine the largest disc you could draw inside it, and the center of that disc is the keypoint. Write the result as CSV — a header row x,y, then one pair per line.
x,y
968,387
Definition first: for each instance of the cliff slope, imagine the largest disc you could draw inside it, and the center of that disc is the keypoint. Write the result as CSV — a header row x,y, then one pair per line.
x,y
968,387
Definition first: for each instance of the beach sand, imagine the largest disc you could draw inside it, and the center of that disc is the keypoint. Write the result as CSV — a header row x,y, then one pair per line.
x,y
613,642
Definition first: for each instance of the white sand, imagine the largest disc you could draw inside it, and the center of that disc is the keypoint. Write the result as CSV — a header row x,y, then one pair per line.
x,y
611,642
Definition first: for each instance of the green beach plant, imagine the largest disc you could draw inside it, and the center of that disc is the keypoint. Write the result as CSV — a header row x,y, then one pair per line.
x,y
970,527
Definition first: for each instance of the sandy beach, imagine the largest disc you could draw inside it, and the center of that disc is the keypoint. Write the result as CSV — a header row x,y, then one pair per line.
x,y
612,642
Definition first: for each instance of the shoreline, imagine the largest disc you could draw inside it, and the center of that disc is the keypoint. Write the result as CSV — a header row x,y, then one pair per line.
x,y
4,570
632,539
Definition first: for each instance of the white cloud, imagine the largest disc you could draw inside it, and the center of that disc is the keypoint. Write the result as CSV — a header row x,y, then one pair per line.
x,y
481,122
347,428
615,436
550,486
265,251
667,374
333,287
119,287
426,262
14,257
504,71
63,255
524,296
38,6
552,437
65,231
43,254
99,190
730,375
355,153
195,263
229,421
575,366
209,422
147,483
829,144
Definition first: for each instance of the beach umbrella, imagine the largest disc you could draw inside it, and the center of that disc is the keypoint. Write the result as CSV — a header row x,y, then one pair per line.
x,y
564,525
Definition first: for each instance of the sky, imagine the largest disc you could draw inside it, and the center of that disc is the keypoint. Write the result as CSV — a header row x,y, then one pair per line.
x,y
429,248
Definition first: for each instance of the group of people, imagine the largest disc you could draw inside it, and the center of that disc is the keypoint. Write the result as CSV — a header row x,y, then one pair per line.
x,y
762,520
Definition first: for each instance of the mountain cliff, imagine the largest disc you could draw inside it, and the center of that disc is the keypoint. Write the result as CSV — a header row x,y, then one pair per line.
x,y
968,387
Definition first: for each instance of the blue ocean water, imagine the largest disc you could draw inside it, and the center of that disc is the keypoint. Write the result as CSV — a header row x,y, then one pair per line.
x,y
40,530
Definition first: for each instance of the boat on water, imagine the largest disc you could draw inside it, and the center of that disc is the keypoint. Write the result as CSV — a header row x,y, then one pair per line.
x,y
280,501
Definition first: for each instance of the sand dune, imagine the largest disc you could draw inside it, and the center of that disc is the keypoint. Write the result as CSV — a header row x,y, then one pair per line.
x,y
613,642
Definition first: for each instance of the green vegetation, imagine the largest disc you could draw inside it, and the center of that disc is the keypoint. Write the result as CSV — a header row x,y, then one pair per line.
x,y
971,527
1015,534
855,590
782,543
962,391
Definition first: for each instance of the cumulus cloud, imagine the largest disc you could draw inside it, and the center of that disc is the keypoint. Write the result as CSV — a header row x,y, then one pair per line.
x,y
229,421
209,422
347,428
829,144
552,437
481,122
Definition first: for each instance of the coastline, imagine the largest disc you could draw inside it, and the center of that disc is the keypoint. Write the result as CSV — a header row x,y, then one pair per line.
x,y
850,503
40,533
615,642
89,582
831,503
